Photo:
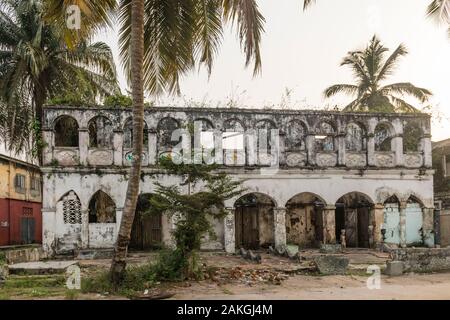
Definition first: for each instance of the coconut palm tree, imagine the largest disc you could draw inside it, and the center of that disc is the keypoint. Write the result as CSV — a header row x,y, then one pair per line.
x,y
370,69
160,41
36,65
440,10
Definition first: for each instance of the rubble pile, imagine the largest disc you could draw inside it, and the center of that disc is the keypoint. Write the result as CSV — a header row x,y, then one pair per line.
x,y
249,276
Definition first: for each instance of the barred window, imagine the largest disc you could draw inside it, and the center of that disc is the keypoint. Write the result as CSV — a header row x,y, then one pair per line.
x,y
19,182
71,209
35,184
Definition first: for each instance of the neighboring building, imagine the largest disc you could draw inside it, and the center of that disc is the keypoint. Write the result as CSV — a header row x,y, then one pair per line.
x,y
20,202
441,165
319,174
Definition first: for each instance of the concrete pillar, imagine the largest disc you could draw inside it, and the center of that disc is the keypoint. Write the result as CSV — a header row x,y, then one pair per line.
x,y
311,149
84,228
340,142
426,148
119,214
229,231
282,149
218,147
329,225
428,227
377,220
83,140
152,147
279,215
47,152
397,146
403,224
48,230
118,147
371,151
251,145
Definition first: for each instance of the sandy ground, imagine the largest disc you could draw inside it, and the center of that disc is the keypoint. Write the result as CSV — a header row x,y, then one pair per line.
x,y
429,286
294,285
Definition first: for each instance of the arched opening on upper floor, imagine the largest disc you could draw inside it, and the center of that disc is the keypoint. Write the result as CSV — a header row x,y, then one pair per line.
x,y
100,133
356,137
165,129
412,136
296,132
325,133
128,134
383,135
66,132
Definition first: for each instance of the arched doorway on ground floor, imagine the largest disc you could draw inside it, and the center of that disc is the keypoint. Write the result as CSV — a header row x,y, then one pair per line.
x,y
146,232
413,221
353,218
254,221
304,220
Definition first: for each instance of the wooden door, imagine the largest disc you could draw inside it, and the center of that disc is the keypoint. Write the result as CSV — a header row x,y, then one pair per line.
x,y
247,227
146,232
351,231
363,227
27,230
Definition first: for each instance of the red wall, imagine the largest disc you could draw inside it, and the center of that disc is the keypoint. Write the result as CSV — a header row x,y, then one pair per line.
x,y
11,211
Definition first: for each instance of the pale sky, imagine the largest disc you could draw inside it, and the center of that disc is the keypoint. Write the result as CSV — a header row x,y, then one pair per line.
x,y
302,51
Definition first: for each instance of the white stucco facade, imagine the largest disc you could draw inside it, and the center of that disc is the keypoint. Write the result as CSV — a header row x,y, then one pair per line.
x,y
312,158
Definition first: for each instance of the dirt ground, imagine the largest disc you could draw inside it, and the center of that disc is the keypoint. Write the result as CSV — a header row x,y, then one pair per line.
x,y
231,277
279,278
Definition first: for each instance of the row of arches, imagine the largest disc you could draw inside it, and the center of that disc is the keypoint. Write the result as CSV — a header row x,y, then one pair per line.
x,y
255,224
101,208
101,134
304,221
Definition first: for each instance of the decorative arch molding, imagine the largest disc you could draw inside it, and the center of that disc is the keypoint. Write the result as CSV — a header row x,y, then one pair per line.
x,y
306,193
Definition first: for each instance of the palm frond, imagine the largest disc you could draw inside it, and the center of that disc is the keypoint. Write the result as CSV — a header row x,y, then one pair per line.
x,y
209,31
250,24
340,88
390,63
307,3
402,106
407,88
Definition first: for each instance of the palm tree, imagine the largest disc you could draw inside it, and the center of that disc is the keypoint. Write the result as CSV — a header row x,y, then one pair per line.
x,y
35,65
118,264
440,10
176,35
370,70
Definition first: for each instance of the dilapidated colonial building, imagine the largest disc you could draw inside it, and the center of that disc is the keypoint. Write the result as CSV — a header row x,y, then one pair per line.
x,y
311,176
441,166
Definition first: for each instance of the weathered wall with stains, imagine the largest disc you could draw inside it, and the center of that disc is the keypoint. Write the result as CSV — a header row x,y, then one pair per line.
x,y
303,167
441,165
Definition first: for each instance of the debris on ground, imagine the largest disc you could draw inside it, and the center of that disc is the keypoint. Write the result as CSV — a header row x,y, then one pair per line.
x,y
331,264
250,255
153,294
249,276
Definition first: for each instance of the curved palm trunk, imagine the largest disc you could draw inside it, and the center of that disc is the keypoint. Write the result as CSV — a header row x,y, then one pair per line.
x,y
137,53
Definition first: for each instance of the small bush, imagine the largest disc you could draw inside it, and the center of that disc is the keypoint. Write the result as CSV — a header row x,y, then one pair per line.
x,y
2,258
170,266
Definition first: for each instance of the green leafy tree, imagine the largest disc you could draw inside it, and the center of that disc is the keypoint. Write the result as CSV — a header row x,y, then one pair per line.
x,y
36,65
370,69
194,210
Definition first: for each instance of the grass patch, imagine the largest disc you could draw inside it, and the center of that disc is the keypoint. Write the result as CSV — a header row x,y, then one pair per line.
x,y
138,278
34,281
32,287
